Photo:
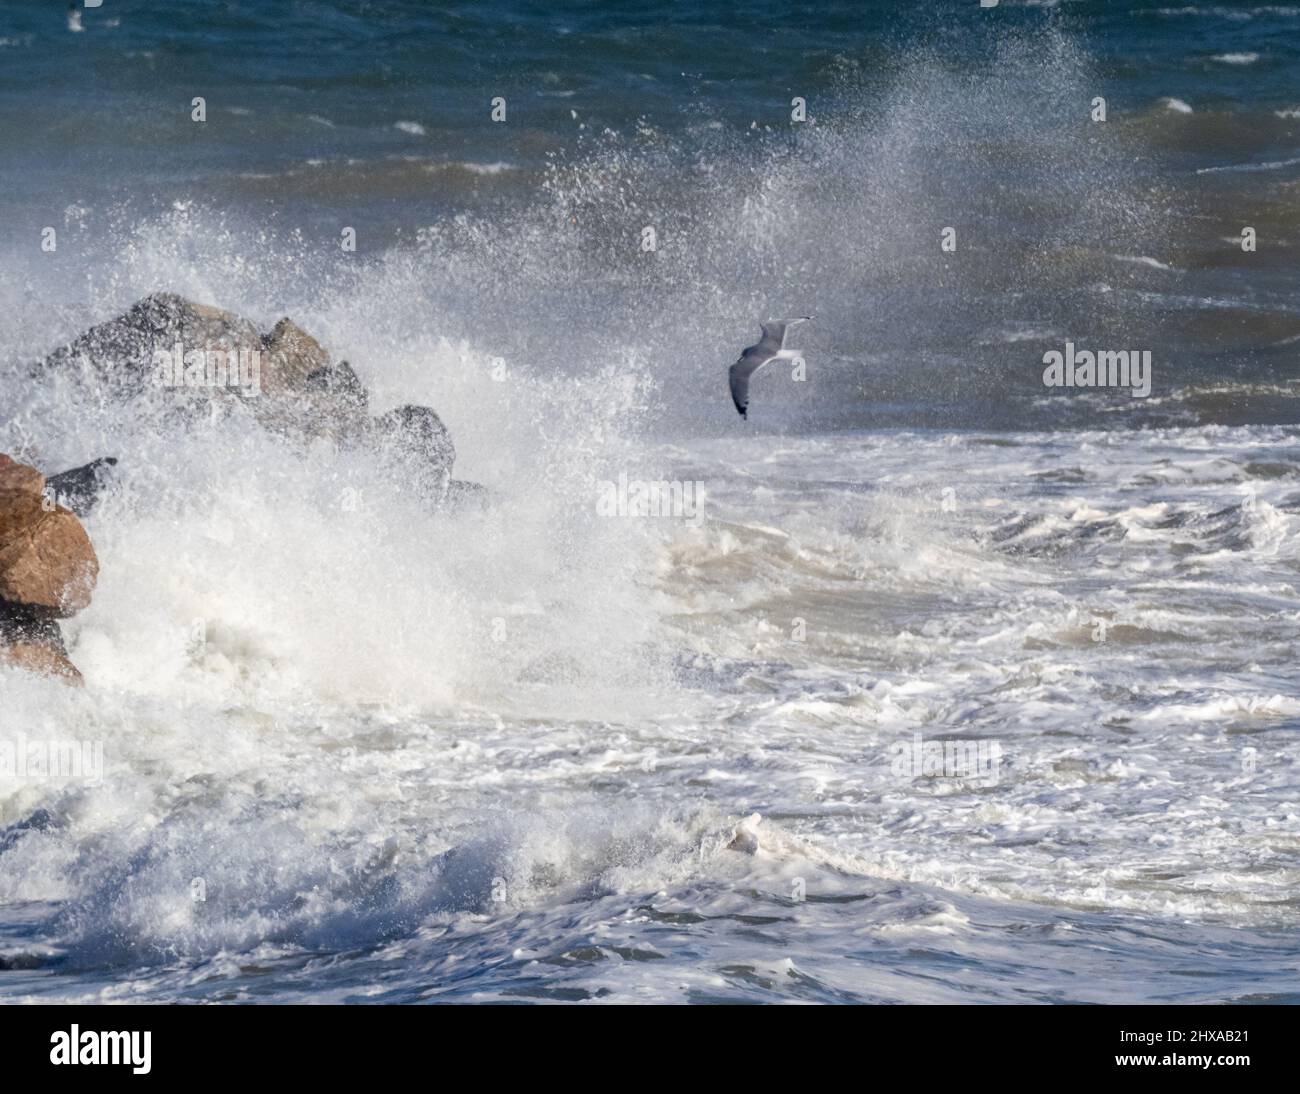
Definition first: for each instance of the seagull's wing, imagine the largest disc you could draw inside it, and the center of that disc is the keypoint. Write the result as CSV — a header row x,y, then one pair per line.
x,y
750,362
773,336
774,331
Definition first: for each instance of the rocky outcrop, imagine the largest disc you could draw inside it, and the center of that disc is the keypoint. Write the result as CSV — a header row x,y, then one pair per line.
x,y
146,349
293,355
186,354
48,570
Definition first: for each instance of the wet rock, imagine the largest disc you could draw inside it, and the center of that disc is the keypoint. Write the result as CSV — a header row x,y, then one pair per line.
x,y
192,353
40,659
79,488
464,496
291,356
152,347
46,558
186,355
415,445
30,639
17,477
25,623
307,396
339,382
48,569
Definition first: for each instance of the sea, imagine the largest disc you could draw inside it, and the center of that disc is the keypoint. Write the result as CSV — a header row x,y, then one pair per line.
x,y
928,682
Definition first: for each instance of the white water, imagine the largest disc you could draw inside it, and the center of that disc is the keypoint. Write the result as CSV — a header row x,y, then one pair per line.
x,y
359,773
503,754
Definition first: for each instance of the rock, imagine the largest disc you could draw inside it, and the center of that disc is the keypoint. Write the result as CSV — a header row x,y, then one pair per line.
x,y
50,565
337,403
30,639
340,382
25,623
40,659
292,356
46,558
188,354
463,496
47,570
123,355
286,379
79,489
306,394
18,477
416,446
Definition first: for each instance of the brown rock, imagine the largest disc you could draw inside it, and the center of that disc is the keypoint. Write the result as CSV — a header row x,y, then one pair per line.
x,y
30,639
46,558
291,356
42,659
49,563
20,493
304,394
19,477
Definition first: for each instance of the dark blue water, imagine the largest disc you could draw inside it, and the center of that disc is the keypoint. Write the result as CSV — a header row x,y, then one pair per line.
x,y
378,116
111,106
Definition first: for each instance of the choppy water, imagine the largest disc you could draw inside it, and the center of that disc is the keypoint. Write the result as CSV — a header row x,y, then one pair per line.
x,y
502,755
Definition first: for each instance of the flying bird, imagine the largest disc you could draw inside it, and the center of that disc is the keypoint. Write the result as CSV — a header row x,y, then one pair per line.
x,y
771,347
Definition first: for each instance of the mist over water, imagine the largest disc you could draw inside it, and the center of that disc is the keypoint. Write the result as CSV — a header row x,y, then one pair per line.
x,y
414,755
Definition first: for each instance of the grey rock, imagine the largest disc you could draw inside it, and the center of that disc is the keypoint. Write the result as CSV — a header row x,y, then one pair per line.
x,y
119,355
285,379
415,445
79,488
464,496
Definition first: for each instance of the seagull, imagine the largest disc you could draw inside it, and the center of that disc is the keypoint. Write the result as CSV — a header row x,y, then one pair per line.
x,y
771,347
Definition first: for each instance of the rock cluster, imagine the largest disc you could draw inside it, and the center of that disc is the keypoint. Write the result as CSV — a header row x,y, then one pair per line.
x,y
185,358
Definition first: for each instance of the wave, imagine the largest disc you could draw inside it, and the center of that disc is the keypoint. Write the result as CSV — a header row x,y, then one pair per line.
x,y
367,728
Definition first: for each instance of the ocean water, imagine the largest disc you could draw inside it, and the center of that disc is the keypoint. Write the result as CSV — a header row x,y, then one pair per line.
x,y
357,751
